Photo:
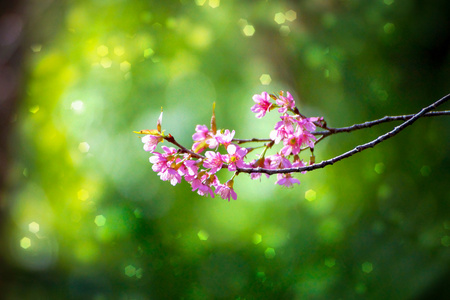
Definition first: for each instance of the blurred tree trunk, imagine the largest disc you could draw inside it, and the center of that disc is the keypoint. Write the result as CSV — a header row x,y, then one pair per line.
x,y
12,20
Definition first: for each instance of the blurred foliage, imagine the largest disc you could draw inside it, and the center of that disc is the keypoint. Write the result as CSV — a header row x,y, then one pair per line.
x,y
87,217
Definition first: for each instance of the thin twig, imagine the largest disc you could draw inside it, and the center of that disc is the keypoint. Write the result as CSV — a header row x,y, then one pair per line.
x,y
241,141
410,120
385,119
354,127
183,149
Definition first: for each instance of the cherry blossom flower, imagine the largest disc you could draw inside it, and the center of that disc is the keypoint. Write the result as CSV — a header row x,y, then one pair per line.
x,y
298,164
262,163
212,142
189,169
161,161
202,189
285,103
292,145
262,105
308,139
304,136
192,167
276,161
212,180
286,180
225,138
171,175
226,191
235,157
213,161
151,141
201,132
200,137
294,142
307,123
283,128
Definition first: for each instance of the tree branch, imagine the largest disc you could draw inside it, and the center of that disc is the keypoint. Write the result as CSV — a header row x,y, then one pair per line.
x,y
241,141
410,119
354,127
385,119
183,149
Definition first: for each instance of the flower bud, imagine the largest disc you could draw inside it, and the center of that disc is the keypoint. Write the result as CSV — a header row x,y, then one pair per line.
x,y
213,120
158,123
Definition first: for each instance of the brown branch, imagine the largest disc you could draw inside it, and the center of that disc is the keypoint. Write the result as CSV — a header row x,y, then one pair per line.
x,y
369,124
410,120
183,149
354,127
241,141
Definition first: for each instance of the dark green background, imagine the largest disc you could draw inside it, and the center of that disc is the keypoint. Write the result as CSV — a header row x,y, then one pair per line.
x,y
94,71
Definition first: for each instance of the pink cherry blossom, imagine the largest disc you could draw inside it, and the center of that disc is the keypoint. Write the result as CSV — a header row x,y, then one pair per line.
x,y
307,139
161,161
285,103
262,105
283,128
171,175
286,180
192,167
202,189
277,135
188,169
168,151
200,137
163,164
212,142
298,163
291,145
235,157
285,163
151,141
226,191
278,161
274,161
212,180
294,142
213,161
307,123
201,132
304,137
225,138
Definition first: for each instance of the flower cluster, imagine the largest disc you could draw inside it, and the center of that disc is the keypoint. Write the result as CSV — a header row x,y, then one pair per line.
x,y
214,149
293,130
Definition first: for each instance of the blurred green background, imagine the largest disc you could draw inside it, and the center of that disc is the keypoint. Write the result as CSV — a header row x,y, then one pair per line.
x,y
84,216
